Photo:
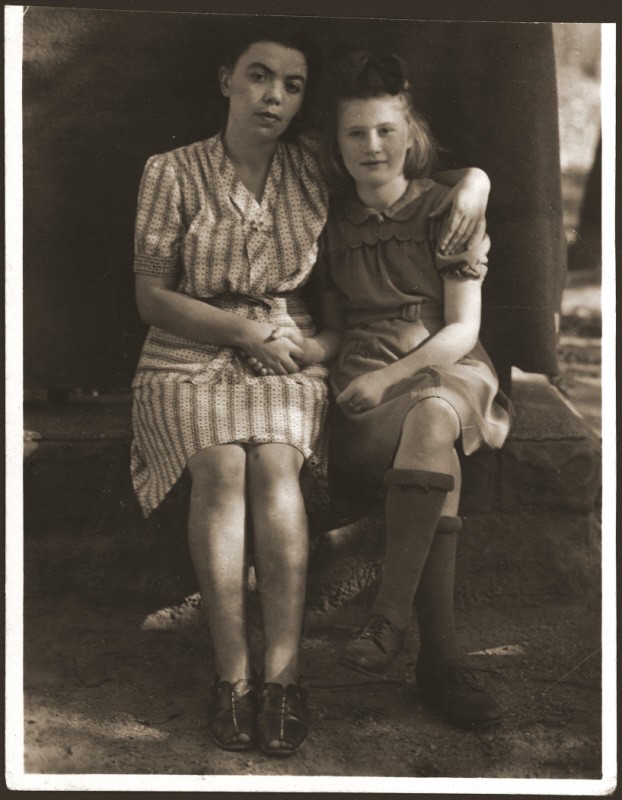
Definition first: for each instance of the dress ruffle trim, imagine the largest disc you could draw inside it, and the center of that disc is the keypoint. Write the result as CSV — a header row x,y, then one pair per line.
x,y
345,235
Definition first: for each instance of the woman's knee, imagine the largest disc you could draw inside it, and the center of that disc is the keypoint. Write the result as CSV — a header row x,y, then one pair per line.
x,y
431,425
274,466
221,468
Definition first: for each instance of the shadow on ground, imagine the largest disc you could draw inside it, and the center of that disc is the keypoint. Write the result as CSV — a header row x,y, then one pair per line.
x,y
104,696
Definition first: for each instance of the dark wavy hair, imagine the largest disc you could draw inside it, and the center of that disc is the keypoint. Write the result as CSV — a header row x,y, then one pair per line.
x,y
358,74
287,32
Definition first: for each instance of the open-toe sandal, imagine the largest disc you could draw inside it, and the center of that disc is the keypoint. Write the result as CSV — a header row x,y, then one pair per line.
x,y
283,719
232,713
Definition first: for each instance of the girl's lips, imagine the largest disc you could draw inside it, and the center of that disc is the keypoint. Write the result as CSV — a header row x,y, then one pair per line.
x,y
268,115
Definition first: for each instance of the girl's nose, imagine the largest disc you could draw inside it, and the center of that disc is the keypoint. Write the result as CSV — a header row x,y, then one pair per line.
x,y
373,142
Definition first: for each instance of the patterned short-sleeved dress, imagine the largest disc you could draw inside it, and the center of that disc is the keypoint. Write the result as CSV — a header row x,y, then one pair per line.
x,y
197,222
389,275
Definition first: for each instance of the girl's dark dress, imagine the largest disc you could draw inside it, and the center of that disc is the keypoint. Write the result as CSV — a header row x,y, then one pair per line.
x,y
390,276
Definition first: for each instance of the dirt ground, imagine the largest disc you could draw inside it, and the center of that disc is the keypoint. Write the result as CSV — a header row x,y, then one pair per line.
x,y
104,695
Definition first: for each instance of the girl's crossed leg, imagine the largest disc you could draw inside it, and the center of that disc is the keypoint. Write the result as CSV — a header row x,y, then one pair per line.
x,y
423,492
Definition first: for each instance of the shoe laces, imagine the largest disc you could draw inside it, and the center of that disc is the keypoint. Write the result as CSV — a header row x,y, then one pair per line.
x,y
377,628
461,678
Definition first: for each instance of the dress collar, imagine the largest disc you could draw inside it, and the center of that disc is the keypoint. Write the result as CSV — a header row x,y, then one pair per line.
x,y
401,210
236,190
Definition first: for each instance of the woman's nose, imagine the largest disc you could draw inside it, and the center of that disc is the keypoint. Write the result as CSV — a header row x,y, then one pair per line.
x,y
274,93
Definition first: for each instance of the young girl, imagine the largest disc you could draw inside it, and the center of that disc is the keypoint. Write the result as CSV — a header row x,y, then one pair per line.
x,y
226,236
411,379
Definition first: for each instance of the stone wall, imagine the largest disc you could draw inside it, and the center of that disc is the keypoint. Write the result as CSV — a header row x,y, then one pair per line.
x,y
105,89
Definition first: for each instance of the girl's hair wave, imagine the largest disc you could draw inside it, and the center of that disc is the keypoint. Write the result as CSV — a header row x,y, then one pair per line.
x,y
358,74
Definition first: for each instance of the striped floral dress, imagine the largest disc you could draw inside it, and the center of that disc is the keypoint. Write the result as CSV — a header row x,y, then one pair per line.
x,y
198,223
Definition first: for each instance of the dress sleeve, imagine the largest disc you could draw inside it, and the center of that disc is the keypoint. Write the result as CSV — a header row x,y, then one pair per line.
x,y
159,229
469,264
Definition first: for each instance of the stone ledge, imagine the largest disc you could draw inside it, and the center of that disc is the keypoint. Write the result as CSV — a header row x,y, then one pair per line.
x,y
84,530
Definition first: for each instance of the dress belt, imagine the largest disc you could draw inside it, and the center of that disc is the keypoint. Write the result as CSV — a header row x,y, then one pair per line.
x,y
410,312
232,298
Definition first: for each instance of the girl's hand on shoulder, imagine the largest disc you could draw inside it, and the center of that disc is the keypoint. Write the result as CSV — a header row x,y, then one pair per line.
x,y
364,392
464,207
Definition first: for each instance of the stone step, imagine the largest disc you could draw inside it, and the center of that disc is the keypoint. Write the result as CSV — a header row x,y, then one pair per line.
x,y
528,510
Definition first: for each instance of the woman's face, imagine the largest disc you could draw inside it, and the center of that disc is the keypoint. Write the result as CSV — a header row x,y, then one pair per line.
x,y
265,89
374,137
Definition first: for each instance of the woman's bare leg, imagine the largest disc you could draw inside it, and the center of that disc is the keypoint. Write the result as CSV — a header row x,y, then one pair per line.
x,y
281,542
216,534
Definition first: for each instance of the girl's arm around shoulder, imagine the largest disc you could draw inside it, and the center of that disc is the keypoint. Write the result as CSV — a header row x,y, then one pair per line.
x,y
461,214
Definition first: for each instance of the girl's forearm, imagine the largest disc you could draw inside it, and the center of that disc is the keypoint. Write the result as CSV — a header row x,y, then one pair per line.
x,y
193,319
323,347
449,345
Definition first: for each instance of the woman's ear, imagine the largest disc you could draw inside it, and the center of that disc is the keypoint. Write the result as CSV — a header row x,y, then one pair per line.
x,y
224,78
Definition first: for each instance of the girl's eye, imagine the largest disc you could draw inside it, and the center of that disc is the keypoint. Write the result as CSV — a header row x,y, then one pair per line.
x,y
385,131
356,134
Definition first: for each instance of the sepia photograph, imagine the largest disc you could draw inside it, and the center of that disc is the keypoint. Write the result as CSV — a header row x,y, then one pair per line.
x,y
311,484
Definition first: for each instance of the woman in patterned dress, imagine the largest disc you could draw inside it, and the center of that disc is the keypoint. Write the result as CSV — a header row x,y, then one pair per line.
x,y
226,236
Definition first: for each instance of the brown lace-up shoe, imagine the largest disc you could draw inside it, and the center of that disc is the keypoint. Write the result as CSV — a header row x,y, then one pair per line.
x,y
457,694
375,648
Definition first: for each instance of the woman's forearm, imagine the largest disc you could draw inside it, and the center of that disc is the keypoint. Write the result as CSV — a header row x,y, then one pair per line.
x,y
193,319
473,176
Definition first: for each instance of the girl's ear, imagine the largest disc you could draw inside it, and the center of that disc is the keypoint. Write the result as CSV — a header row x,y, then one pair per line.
x,y
224,78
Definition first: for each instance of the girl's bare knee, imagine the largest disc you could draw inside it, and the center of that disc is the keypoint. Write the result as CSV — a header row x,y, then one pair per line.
x,y
431,425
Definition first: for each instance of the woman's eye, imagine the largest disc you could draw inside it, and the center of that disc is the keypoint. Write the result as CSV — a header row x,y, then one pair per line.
x,y
257,76
293,88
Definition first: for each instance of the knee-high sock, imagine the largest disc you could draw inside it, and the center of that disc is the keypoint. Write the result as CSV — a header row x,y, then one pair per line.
x,y
413,506
434,599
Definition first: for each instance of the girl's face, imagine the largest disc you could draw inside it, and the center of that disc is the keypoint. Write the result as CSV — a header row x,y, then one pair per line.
x,y
374,137
265,89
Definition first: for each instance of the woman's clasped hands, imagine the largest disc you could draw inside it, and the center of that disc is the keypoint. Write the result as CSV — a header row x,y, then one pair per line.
x,y
281,352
